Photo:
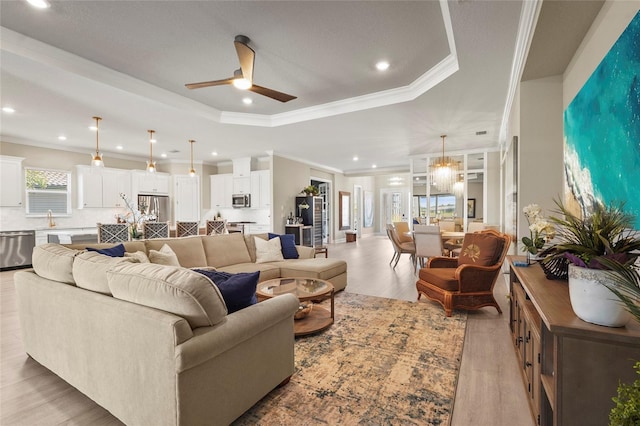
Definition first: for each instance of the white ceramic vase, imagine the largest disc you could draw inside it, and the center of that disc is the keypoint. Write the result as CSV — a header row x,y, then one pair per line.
x,y
592,301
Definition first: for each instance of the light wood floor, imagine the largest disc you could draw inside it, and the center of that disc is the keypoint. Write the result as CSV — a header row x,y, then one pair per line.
x,y
489,392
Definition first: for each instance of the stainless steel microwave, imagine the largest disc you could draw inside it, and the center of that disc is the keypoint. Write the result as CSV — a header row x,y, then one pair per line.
x,y
241,200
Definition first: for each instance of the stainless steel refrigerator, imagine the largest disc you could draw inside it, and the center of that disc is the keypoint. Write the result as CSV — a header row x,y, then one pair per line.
x,y
157,205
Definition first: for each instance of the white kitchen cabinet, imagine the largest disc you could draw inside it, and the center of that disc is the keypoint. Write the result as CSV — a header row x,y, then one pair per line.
x,y
114,183
151,183
261,189
12,181
186,198
221,190
101,187
257,229
242,167
89,186
242,185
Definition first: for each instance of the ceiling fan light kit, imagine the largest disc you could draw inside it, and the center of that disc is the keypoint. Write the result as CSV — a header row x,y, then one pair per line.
x,y
243,77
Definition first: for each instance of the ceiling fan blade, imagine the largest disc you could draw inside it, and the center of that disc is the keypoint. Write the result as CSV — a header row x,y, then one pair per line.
x,y
246,56
270,93
209,83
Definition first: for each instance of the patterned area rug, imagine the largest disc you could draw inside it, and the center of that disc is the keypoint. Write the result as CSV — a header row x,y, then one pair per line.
x,y
383,361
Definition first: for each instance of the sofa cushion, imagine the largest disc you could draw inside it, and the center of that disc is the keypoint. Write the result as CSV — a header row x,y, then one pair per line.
x,y
268,251
90,270
54,262
129,246
115,251
268,271
251,244
238,290
322,268
164,256
188,249
180,291
445,278
225,249
480,249
288,244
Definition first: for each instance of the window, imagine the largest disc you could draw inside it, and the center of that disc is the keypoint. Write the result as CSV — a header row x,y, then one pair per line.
x,y
442,206
48,190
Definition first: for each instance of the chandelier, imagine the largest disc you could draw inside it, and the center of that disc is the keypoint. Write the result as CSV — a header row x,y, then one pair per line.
x,y
96,159
444,172
151,165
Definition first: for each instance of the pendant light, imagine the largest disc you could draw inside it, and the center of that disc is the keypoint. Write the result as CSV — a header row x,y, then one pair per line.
x,y
151,165
444,172
192,171
96,159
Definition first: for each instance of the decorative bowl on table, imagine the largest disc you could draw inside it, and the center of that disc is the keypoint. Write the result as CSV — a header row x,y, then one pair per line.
x,y
303,310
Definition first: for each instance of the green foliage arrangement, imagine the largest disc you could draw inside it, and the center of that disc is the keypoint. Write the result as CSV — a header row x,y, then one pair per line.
x,y
311,190
606,233
627,409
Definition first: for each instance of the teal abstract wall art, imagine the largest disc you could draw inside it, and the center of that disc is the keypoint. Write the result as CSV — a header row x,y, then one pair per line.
x,y
602,129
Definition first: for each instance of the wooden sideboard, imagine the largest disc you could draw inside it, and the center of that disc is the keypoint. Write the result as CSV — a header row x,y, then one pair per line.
x,y
571,368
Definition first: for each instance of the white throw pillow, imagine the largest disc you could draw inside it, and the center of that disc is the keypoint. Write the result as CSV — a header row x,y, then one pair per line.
x,y
164,256
268,251
139,256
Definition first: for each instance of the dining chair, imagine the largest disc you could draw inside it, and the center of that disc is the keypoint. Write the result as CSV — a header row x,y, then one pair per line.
x,y
153,230
113,232
186,228
476,226
403,231
447,225
428,242
399,247
215,227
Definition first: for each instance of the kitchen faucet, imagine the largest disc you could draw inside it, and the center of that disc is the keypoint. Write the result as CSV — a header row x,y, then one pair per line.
x,y
52,224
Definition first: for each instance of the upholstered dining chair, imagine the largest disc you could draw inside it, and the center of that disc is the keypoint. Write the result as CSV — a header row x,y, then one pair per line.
x,y
402,229
153,230
466,282
217,227
184,229
399,247
113,232
428,241
476,226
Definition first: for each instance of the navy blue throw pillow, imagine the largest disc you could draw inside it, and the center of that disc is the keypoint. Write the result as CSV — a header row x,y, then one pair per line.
x,y
115,251
238,290
288,244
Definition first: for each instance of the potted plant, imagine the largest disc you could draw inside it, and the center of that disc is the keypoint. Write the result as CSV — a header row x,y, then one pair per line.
x,y
311,190
540,231
590,243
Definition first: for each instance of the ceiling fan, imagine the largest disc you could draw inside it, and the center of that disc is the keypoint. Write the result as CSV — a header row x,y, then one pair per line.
x,y
243,77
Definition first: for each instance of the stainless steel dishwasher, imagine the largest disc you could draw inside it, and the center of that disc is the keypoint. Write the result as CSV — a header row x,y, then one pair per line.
x,y
16,248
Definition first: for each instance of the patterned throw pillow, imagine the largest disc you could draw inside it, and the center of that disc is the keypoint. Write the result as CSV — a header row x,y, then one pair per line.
x,y
479,249
288,243
238,290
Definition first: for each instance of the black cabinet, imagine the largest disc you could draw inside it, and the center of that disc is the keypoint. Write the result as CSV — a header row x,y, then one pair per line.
x,y
310,210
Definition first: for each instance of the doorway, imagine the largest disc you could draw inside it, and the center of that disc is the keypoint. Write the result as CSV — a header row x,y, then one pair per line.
x,y
394,206
357,209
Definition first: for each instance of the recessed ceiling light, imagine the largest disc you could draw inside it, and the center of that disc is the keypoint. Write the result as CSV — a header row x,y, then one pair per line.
x,y
382,66
214,153
163,155
39,4
355,158
373,166
119,147
8,110
93,128
62,138
247,101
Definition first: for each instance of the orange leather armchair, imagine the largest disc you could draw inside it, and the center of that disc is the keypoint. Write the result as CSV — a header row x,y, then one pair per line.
x,y
466,282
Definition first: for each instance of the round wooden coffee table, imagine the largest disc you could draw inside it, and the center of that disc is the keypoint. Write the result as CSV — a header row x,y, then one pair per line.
x,y
304,289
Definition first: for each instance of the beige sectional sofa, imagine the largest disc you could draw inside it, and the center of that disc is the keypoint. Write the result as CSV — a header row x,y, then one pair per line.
x,y
162,350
